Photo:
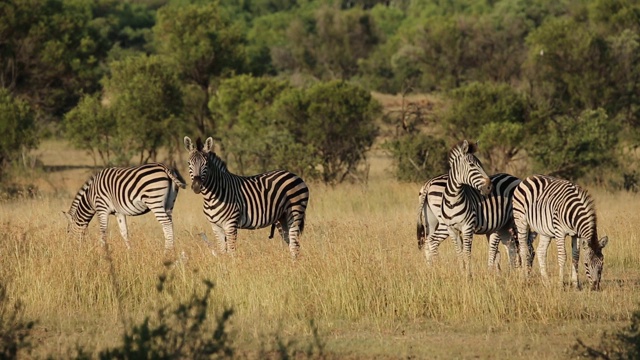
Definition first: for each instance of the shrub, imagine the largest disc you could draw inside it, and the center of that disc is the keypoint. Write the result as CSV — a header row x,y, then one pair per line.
x,y
417,157
621,345
14,329
179,333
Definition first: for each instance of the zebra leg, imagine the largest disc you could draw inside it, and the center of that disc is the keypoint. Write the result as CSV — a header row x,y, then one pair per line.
x,y
575,259
222,241
433,242
543,244
494,254
164,218
467,241
103,219
231,233
525,250
122,223
294,245
562,257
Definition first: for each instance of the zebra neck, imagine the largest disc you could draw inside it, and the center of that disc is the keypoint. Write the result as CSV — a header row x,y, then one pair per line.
x,y
219,180
453,193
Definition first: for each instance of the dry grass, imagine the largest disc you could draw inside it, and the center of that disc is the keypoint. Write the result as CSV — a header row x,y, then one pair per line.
x,y
361,278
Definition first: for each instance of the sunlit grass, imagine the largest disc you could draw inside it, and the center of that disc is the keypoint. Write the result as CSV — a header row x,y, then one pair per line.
x,y
360,277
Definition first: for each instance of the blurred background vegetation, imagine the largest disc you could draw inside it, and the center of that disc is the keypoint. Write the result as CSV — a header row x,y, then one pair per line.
x,y
549,87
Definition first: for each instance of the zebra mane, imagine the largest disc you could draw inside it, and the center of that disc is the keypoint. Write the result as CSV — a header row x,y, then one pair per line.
x,y
213,160
590,208
81,193
199,144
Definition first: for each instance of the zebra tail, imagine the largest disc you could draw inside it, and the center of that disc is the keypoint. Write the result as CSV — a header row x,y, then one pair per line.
x,y
175,176
423,226
273,228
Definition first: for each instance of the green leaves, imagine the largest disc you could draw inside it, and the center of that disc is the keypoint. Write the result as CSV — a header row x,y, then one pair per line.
x,y
319,132
569,147
495,114
17,127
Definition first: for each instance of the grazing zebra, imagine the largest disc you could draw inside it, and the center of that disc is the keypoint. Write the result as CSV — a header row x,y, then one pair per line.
x,y
125,192
233,202
461,212
493,215
555,208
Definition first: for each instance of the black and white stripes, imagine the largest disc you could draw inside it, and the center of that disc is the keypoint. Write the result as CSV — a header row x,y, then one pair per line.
x,y
125,192
555,208
492,213
460,207
233,202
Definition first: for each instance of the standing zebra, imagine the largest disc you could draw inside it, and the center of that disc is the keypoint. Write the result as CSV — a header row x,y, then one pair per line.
x,y
555,208
493,215
125,192
233,202
461,209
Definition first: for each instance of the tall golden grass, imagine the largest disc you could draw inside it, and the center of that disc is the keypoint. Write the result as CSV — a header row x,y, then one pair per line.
x,y
360,278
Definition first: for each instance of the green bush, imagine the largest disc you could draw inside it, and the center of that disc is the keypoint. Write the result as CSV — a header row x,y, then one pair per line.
x,y
494,114
182,332
571,147
417,157
335,122
17,126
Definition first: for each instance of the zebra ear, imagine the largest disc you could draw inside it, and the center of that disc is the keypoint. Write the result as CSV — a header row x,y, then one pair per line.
x,y
603,242
208,145
465,146
188,144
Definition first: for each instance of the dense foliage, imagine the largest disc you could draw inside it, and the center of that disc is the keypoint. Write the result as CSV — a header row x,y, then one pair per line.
x,y
510,72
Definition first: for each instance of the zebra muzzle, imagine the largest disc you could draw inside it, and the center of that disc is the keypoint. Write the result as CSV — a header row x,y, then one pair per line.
x,y
196,185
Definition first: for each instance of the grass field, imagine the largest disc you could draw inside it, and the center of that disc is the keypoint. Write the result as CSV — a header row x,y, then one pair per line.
x,y
360,279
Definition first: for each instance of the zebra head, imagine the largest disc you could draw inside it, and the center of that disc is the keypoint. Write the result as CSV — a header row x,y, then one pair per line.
x,y
74,226
198,155
465,168
595,261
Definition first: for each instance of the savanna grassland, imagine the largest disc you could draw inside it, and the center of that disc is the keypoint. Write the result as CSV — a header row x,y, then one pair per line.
x,y
360,281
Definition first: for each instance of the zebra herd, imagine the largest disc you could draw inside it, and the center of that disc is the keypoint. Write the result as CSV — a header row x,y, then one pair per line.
x,y
463,202
466,201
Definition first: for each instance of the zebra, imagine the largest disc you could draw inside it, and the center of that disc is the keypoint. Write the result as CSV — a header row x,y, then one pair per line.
x,y
493,217
126,191
461,212
555,208
278,198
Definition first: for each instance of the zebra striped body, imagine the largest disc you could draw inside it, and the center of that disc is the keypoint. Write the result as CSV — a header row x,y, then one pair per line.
x,y
493,215
555,208
125,192
457,211
233,202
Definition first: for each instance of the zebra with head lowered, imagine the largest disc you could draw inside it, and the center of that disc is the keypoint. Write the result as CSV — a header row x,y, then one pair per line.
x,y
555,208
494,218
233,202
129,191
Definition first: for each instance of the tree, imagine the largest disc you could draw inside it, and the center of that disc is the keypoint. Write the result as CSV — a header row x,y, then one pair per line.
x,y
17,127
145,97
496,115
336,121
331,44
203,44
90,126
251,132
571,147
50,52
